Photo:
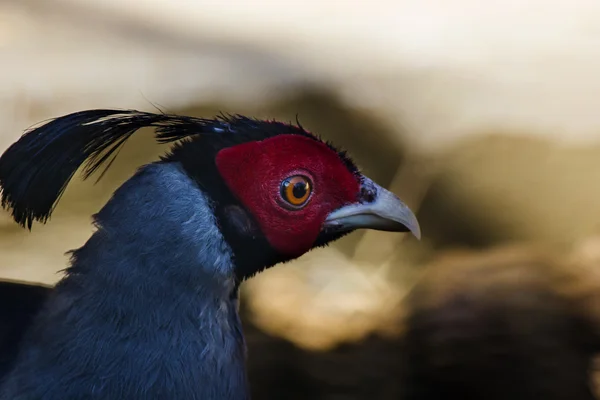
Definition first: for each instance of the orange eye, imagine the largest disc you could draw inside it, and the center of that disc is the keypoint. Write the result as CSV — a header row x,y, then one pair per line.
x,y
295,190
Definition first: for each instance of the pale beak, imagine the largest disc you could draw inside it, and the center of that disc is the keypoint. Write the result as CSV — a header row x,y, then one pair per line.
x,y
377,209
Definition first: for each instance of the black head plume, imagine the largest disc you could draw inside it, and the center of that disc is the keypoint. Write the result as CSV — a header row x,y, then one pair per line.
x,y
35,171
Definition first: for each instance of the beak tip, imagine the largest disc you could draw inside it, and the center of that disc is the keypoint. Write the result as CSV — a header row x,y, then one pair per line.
x,y
414,227
416,232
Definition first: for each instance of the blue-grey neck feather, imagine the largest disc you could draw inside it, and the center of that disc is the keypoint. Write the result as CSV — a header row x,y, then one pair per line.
x,y
145,311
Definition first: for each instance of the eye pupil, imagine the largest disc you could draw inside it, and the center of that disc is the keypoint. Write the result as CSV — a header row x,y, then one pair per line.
x,y
299,189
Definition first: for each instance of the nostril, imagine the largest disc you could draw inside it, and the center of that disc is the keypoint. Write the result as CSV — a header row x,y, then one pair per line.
x,y
367,195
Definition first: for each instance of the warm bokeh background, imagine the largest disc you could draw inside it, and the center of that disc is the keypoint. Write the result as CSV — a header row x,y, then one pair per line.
x,y
482,115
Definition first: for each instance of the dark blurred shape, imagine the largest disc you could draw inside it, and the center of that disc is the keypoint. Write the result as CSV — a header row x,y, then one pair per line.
x,y
503,324
451,221
498,326
504,187
370,369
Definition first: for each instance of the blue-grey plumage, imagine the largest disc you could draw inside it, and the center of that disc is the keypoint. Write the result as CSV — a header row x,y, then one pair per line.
x,y
166,328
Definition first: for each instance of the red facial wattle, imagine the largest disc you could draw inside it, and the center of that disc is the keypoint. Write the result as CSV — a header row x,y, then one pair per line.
x,y
254,172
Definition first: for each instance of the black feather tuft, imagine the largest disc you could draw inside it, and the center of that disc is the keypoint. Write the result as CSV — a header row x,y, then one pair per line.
x,y
35,170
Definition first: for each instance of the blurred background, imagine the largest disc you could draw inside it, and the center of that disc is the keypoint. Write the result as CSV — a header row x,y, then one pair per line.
x,y
482,115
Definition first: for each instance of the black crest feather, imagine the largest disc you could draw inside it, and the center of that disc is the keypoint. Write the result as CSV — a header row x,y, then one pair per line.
x,y
35,170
